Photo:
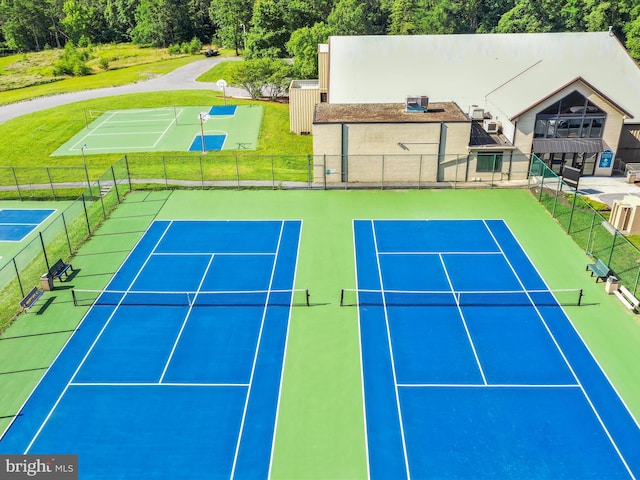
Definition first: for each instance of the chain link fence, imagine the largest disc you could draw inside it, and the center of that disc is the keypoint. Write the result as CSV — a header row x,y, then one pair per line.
x,y
60,239
588,227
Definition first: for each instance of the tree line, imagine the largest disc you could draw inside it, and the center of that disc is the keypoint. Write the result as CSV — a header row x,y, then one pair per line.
x,y
293,28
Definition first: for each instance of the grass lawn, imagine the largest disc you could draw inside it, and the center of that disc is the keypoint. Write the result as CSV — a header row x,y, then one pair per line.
x,y
36,136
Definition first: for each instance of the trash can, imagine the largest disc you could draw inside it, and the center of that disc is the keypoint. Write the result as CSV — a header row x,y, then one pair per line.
x,y
631,176
611,285
46,282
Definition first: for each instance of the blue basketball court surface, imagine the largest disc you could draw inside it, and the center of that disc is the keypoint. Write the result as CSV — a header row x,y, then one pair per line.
x,y
16,224
212,142
470,367
223,110
153,386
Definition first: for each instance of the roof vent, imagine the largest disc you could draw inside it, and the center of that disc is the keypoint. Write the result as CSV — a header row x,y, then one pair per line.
x,y
476,113
417,104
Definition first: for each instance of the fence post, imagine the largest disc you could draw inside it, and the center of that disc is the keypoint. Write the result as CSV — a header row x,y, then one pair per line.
x,y
309,170
589,239
86,214
324,169
420,171
613,245
573,207
66,232
15,265
541,187
635,286
126,162
53,192
164,170
104,212
44,251
555,202
237,172
273,175
15,177
115,183
382,174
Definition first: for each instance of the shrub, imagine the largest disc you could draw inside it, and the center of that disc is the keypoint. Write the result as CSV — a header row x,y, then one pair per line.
x,y
174,50
195,46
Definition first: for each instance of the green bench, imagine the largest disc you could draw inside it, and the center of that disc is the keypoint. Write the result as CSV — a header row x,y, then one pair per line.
x,y
60,268
31,298
599,269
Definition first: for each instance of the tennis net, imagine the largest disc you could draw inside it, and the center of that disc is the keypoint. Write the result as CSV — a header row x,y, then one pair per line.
x,y
434,298
238,298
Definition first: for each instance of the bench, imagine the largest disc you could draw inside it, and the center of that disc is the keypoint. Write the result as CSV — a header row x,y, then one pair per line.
x,y
31,298
599,269
60,268
627,298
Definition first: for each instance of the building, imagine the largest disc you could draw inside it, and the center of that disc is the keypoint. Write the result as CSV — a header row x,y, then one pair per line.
x,y
478,105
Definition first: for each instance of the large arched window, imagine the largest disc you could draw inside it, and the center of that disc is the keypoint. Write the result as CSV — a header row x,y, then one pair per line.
x,y
572,117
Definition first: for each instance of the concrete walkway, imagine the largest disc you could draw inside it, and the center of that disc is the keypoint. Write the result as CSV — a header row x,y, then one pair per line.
x,y
182,78
607,189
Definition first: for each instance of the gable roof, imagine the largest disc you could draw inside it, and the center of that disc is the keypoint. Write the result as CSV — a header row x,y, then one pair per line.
x,y
499,72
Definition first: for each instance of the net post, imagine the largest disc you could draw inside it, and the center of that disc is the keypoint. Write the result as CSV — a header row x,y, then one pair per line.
x,y
580,294
73,295
342,297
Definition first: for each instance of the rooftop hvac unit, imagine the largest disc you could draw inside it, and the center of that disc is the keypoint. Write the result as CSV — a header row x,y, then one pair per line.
x,y
476,113
491,126
417,104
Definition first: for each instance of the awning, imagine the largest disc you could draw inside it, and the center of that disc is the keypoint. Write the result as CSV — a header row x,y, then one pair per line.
x,y
569,145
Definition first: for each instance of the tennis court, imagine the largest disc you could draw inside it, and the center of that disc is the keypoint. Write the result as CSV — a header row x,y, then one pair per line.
x,y
167,129
175,371
470,368
16,224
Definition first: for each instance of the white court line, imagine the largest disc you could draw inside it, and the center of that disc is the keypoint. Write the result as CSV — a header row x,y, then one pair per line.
x,y
122,134
441,253
155,384
223,254
255,357
392,357
479,385
284,358
364,402
464,321
566,360
104,327
186,319
167,129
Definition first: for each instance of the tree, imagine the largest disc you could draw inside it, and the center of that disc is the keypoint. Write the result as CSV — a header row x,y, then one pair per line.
x,y
232,18
261,75
25,25
348,18
404,14
269,33
83,19
120,17
303,47
160,23
530,16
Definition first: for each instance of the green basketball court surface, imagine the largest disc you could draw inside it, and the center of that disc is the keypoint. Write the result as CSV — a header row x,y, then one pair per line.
x,y
170,129
320,429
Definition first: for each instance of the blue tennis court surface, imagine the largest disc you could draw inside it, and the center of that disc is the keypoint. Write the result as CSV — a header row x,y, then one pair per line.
x,y
169,389
223,110
211,143
497,387
16,224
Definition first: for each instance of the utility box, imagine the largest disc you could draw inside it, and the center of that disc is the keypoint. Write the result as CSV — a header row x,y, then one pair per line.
x,y
612,284
46,282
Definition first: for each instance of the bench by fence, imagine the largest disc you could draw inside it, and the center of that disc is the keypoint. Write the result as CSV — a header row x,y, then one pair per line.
x,y
599,269
31,298
627,298
60,268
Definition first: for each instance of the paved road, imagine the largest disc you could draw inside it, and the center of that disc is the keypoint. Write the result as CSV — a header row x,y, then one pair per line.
x,y
182,78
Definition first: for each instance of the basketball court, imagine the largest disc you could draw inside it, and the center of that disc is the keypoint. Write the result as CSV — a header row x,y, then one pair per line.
x,y
168,129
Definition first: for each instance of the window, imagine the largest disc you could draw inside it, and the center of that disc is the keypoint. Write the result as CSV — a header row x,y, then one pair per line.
x,y
489,162
572,117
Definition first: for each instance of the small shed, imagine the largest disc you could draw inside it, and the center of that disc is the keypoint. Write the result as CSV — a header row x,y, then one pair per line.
x,y
303,97
625,215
